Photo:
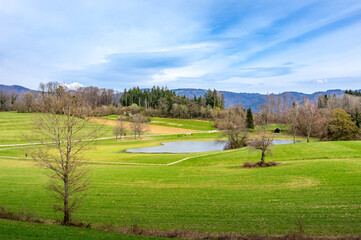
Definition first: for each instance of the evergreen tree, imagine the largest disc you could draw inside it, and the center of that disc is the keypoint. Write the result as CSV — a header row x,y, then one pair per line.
x,y
170,104
354,93
249,119
341,127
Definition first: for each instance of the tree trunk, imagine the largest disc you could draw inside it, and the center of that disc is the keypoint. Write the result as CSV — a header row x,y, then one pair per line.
x,y
294,136
263,155
309,130
66,202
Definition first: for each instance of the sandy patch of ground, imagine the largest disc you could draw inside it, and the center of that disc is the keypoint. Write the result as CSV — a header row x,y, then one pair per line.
x,y
152,128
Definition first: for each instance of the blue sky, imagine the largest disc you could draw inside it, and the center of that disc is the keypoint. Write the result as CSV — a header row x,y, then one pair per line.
x,y
242,45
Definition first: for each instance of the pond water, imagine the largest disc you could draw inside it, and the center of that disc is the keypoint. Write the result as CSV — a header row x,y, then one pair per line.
x,y
191,147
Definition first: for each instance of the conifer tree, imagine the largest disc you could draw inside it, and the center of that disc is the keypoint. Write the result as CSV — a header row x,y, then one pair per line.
x,y
249,119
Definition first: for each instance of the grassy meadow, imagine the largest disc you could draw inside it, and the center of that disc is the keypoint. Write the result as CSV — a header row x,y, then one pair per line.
x,y
174,122
318,184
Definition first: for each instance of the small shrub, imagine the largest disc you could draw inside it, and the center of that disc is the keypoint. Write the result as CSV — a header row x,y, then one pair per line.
x,y
260,164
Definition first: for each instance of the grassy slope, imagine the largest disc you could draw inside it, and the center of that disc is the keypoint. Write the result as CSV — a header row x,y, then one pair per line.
x,y
22,230
174,122
318,182
13,127
183,123
207,194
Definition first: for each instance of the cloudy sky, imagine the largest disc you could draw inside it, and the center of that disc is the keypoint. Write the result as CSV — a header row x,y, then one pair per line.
x,y
242,45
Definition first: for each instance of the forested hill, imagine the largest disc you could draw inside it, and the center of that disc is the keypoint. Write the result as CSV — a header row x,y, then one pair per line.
x,y
254,99
14,88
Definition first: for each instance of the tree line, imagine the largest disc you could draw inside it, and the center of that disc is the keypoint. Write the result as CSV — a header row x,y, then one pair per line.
x,y
162,102
303,118
337,119
155,102
332,118
353,92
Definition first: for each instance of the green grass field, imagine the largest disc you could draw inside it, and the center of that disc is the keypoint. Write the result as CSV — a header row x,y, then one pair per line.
x,y
15,126
174,122
318,183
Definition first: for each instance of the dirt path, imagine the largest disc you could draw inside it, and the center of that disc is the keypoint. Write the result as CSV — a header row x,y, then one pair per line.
x,y
152,128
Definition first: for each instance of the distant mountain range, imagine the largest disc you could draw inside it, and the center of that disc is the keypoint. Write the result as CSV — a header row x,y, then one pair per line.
x,y
231,98
253,100
14,88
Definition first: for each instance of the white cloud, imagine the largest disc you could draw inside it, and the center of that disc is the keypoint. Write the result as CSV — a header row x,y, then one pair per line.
x,y
206,44
322,80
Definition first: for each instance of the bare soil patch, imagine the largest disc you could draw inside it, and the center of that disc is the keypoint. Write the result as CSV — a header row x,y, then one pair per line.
x,y
260,164
152,128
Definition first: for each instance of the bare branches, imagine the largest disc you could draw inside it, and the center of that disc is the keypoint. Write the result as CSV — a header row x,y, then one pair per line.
x,y
64,134
119,129
233,126
311,122
292,118
138,125
262,144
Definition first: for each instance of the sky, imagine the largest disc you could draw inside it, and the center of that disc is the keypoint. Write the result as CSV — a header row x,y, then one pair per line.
x,y
264,46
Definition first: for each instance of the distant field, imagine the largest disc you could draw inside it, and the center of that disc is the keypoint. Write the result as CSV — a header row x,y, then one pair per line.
x,y
177,123
318,184
282,127
151,129
183,123
14,126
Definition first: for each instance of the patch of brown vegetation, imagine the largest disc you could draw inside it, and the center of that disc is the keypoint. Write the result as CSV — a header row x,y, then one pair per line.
x,y
260,164
152,128
179,234
184,234
18,216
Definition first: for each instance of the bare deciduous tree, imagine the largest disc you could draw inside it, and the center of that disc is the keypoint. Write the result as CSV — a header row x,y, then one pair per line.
x,y
138,125
292,119
310,120
119,129
233,126
262,144
59,138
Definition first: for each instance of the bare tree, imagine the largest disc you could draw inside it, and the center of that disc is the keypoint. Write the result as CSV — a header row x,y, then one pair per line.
x,y
292,119
138,125
233,126
28,100
60,136
3,100
310,120
119,129
262,144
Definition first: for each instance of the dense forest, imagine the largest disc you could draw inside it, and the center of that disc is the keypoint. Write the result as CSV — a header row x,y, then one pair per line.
x,y
164,102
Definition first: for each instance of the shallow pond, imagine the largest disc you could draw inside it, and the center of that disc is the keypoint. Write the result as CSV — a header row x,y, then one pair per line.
x,y
191,147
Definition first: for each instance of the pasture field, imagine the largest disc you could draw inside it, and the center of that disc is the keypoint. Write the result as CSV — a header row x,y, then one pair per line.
x,y
15,126
191,124
318,184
